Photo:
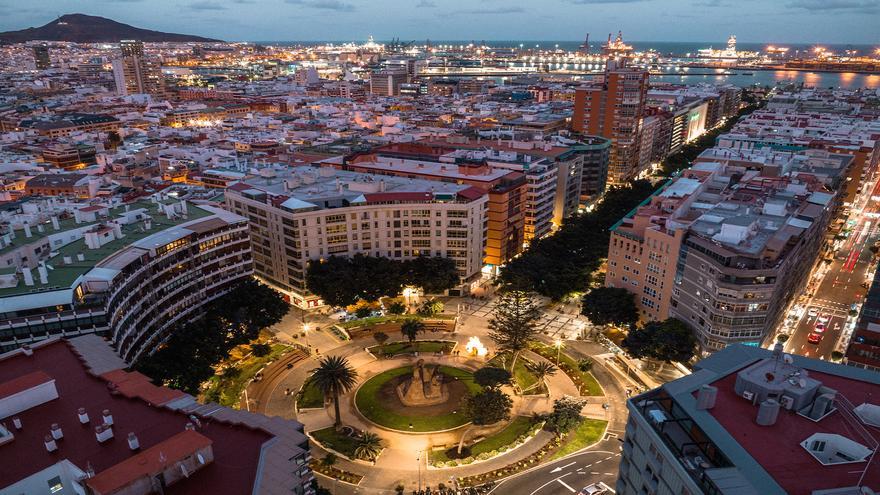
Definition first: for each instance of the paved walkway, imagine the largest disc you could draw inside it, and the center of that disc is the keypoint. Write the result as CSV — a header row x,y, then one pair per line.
x,y
401,461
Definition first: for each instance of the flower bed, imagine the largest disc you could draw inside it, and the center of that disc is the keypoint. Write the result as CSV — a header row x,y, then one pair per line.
x,y
336,473
519,430
421,346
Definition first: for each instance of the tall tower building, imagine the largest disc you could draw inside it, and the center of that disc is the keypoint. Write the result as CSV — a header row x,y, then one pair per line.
x,y
136,74
612,107
41,57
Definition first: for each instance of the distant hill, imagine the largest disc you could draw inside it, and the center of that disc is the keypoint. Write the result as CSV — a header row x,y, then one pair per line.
x,y
81,28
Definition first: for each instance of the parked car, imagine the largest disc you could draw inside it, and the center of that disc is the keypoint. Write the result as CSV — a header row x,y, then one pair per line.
x,y
595,489
823,318
814,338
820,327
812,312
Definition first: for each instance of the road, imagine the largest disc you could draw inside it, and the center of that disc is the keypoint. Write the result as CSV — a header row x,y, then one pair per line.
x,y
840,283
568,475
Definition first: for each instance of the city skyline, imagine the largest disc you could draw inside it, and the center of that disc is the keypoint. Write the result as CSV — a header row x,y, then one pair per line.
x,y
805,21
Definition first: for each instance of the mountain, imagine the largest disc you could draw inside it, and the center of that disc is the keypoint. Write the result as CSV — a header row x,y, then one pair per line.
x,y
81,28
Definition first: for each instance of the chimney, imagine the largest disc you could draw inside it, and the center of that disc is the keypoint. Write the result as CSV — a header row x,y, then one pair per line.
x,y
80,257
706,397
108,418
103,433
57,434
55,224
117,230
83,416
51,446
44,274
28,276
27,230
133,443
768,412
40,228
148,224
16,422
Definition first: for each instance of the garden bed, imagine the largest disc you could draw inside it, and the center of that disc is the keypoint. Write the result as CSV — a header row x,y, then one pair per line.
x,y
309,397
586,434
336,473
515,433
522,377
584,380
336,440
421,346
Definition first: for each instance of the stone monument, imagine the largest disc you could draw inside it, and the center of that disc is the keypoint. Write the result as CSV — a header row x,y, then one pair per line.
x,y
424,388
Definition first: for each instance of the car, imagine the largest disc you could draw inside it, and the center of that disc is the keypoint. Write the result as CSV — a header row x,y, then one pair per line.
x,y
823,318
820,327
812,312
595,489
814,338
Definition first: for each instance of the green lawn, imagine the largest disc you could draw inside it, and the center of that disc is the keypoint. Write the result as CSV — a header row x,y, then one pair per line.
x,y
396,348
583,379
337,441
520,425
369,404
589,431
521,374
310,397
226,389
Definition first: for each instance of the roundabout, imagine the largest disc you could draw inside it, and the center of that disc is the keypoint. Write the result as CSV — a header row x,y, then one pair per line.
x,y
379,400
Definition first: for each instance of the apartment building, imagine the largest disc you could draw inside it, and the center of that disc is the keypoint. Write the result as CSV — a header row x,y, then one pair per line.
x,y
724,247
128,272
386,82
73,420
613,107
300,214
752,421
134,73
506,189
595,152
63,125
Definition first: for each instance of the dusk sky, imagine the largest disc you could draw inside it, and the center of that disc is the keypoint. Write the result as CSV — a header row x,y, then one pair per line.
x,y
780,21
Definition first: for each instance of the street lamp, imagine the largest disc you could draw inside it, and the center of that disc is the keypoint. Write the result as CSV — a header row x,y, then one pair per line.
x,y
306,331
558,345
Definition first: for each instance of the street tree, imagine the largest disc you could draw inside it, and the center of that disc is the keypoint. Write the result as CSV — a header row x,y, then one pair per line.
x,y
380,337
334,376
485,408
610,306
667,341
566,415
411,328
492,377
541,370
514,323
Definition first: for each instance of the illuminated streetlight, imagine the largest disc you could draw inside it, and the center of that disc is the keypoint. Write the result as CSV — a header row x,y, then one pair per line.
x,y
558,344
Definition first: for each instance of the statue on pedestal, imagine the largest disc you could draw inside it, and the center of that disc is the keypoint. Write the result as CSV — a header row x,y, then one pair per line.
x,y
425,388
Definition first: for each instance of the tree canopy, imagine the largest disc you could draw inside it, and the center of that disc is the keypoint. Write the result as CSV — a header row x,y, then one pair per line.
x,y
487,407
668,340
342,281
566,414
514,322
558,265
188,357
490,377
411,328
334,376
610,306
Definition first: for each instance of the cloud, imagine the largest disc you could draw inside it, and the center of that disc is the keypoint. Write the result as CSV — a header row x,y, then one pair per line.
x,y
206,5
836,6
426,4
336,5
498,11
601,2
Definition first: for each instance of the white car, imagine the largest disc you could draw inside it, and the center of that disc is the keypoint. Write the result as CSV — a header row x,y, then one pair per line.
x,y
595,489
812,312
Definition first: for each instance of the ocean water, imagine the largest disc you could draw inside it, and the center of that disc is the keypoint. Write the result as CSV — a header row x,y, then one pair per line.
x,y
676,48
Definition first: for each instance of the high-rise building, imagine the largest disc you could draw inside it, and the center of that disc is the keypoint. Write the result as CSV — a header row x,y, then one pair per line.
x,y
135,73
386,82
751,421
613,108
595,151
864,345
41,57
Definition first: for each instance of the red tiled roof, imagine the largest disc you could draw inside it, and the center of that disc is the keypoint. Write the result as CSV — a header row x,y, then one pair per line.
x,y
136,385
236,448
777,448
23,383
149,462
471,193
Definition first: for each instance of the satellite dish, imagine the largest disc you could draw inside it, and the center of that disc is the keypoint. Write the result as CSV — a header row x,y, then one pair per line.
x,y
787,359
201,459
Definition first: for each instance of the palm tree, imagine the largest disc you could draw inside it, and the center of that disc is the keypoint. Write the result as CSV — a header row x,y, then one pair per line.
x,y
411,328
334,377
368,447
541,370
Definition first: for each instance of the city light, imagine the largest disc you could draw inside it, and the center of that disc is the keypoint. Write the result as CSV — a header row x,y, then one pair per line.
x,y
475,348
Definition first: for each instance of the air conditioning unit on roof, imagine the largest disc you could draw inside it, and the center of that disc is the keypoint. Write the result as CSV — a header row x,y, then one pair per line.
x,y
748,395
